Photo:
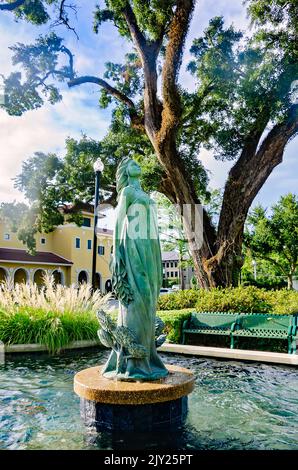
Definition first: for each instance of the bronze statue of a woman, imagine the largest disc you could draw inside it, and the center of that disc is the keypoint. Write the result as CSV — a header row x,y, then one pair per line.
x,y
136,278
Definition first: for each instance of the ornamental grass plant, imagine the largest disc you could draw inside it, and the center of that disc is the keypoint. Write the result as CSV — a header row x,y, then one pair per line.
x,y
52,315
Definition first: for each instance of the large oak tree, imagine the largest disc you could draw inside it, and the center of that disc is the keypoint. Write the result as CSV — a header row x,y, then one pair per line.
x,y
242,107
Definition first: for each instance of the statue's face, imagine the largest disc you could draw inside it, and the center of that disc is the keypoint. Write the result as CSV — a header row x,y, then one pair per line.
x,y
133,169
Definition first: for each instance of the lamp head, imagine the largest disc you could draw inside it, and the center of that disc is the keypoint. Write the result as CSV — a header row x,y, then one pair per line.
x,y
98,165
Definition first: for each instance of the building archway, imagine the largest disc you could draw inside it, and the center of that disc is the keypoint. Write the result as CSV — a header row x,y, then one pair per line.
x,y
38,277
21,276
83,277
58,276
108,286
97,281
3,275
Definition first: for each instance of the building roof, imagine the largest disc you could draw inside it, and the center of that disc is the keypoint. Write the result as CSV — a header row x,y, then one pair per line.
x,y
41,257
170,256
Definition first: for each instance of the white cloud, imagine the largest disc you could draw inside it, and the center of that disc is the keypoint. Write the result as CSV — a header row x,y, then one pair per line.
x,y
44,130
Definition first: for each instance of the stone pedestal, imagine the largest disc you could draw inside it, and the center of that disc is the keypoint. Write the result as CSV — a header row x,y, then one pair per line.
x,y
110,405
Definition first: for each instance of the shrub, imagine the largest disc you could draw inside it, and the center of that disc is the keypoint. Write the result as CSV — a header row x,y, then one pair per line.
x,y
238,299
178,300
283,301
173,320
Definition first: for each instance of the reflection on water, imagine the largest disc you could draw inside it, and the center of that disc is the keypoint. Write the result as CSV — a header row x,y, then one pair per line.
x,y
234,406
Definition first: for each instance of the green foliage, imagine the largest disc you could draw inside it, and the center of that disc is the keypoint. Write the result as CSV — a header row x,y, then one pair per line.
x,y
173,320
248,299
56,330
153,16
52,329
240,85
178,300
12,213
264,282
33,11
21,220
269,276
39,62
238,299
283,301
274,237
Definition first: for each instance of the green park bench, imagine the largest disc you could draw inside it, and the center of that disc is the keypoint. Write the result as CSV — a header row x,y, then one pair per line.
x,y
249,325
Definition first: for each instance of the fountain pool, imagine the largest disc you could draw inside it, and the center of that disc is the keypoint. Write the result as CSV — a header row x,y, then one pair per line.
x,y
234,406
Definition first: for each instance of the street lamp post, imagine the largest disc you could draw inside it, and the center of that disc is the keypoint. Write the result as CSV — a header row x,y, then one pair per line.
x,y
254,263
98,169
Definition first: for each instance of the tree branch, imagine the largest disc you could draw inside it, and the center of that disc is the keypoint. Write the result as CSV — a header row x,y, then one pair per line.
x,y
136,120
148,52
12,6
63,17
177,33
70,56
99,81
270,153
251,171
136,34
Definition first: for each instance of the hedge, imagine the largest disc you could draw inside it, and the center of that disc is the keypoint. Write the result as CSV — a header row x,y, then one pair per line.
x,y
178,300
57,330
238,299
54,330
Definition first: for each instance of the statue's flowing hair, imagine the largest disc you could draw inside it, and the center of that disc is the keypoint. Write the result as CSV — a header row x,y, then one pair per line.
x,y
122,175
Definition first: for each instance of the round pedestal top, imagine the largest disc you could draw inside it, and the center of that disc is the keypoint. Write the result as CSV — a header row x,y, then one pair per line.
x,y
91,385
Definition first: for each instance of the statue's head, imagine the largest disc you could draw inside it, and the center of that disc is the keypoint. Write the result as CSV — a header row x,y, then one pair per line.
x,y
126,168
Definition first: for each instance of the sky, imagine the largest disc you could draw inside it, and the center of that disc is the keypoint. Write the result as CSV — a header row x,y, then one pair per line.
x,y
46,129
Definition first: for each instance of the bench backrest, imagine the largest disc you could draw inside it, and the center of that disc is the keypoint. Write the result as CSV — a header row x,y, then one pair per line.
x,y
224,320
264,321
221,320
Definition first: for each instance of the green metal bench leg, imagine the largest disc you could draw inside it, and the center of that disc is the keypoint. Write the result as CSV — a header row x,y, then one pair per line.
x,y
232,342
292,344
294,341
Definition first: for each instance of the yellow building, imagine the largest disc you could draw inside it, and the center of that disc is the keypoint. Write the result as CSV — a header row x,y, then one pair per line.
x,y
66,253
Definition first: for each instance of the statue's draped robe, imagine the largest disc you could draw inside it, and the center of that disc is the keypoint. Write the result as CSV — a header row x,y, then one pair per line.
x,y
137,255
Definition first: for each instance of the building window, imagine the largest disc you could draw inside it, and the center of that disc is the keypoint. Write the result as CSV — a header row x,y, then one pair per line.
x,y
7,236
86,222
78,243
172,274
101,250
89,244
43,241
172,265
112,249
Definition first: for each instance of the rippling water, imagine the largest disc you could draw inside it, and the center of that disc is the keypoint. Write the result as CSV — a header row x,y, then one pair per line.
x,y
234,406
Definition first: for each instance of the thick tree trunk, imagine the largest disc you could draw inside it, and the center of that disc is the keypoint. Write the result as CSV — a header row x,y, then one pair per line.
x,y
216,256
